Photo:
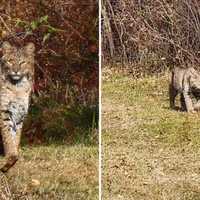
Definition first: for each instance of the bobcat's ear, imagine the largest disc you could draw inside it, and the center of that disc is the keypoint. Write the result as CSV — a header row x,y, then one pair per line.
x,y
6,48
29,48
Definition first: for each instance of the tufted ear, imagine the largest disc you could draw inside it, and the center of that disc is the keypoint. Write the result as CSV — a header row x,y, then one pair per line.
x,y
6,48
29,48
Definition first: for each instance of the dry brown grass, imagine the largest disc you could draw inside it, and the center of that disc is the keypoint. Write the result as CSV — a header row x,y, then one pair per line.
x,y
149,151
5,193
55,172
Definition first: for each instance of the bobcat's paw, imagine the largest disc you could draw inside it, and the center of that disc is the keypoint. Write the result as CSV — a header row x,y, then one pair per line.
x,y
193,111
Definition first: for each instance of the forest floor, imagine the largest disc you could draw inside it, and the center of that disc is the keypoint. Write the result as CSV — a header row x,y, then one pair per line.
x,y
150,152
55,172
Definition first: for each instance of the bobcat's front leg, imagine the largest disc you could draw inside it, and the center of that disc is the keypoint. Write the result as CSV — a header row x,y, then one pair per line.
x,y
188,102
197,106
10,147
18,136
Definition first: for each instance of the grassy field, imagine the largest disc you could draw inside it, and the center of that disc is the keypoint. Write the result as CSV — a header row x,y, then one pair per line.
x,y
150,152
56,172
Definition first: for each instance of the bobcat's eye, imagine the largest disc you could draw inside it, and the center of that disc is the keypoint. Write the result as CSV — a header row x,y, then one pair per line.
x,y
9,63
6,67
22,63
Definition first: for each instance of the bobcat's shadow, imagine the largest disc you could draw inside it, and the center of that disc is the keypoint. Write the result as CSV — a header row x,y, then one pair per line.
x,y
176,108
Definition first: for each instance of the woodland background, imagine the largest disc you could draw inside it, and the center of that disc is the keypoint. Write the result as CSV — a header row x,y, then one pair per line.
x,y
151,36
65,100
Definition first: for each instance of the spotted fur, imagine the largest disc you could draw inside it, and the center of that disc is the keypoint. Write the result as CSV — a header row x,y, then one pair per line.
x,y
16,79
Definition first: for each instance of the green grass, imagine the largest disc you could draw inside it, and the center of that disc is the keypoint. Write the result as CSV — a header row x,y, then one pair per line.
x,y
56,172
149,150
49,120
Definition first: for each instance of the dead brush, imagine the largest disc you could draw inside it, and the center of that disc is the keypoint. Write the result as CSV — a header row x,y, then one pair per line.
x,y
5,193
134,31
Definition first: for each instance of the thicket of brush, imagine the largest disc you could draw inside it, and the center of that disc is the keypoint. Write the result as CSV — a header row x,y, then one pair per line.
x,y
65,100
151,36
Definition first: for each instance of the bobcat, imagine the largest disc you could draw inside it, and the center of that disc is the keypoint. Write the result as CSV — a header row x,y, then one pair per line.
x,y
16,79
187,83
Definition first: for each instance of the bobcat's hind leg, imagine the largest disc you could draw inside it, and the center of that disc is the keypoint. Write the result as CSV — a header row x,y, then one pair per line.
x,y
183,105
172,95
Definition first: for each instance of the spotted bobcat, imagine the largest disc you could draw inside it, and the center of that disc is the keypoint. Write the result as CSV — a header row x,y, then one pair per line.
x,y
16,79
186,82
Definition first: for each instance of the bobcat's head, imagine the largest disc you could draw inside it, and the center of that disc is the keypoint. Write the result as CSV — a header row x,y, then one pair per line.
x,y
195,84
17,63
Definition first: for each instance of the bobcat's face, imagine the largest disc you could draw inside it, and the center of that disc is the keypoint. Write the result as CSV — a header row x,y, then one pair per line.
x,y
17,63
195,84
195,81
